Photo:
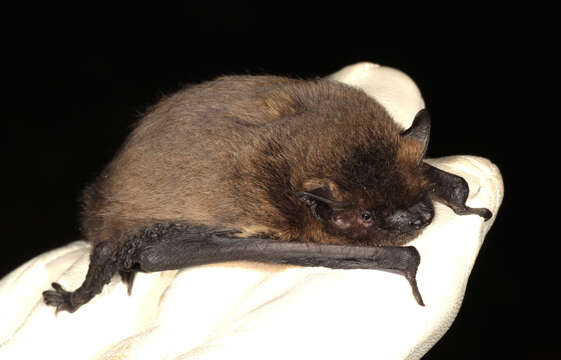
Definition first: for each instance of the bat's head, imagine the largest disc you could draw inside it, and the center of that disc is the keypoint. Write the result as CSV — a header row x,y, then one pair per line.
x,y
381,199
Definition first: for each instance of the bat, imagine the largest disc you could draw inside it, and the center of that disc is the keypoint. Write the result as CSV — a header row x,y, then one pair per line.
x,y
267,169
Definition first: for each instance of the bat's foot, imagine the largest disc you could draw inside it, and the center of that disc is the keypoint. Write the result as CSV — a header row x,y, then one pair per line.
x,y
59,298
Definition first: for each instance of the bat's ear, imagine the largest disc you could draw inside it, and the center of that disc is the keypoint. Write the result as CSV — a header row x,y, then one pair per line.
x,y
318,195
420,130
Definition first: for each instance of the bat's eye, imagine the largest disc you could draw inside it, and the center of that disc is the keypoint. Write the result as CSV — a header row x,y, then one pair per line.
x,y
366,216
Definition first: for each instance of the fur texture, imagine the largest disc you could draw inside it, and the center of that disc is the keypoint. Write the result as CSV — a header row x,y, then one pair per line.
x,y
269,169
233,153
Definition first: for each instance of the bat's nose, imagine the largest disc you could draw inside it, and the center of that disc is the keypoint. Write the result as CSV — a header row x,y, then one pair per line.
x,y
415,218
404,220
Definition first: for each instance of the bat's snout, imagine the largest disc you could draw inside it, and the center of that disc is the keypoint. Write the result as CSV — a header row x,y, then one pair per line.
x,y
414,218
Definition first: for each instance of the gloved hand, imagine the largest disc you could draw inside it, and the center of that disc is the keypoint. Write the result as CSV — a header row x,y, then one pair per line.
x,y
257,311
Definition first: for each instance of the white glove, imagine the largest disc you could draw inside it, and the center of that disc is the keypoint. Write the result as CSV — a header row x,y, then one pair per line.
x,y
258,311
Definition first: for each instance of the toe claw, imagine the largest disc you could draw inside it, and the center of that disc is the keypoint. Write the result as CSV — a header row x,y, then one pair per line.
x,y
59,298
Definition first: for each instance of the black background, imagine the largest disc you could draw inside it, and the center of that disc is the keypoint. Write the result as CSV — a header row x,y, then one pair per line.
x,y
75,79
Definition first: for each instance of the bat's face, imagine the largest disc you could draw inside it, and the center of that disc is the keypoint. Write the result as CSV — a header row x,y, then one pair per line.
x,y
382,197
378,227
356,224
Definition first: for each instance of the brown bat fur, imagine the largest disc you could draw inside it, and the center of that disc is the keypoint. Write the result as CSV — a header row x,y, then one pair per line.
x,y
232,152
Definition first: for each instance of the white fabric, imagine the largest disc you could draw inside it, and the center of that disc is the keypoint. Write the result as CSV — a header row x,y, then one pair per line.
x,y
257,311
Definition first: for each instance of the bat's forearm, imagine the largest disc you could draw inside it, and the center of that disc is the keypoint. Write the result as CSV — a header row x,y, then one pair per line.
x,y
181,253
177,252
175,247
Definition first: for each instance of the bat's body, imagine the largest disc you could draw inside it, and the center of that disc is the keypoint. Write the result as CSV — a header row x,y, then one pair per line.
x,y
270,169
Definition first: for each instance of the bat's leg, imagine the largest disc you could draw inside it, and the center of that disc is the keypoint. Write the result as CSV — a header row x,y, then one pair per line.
x,y
180,247
103,265
453,191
